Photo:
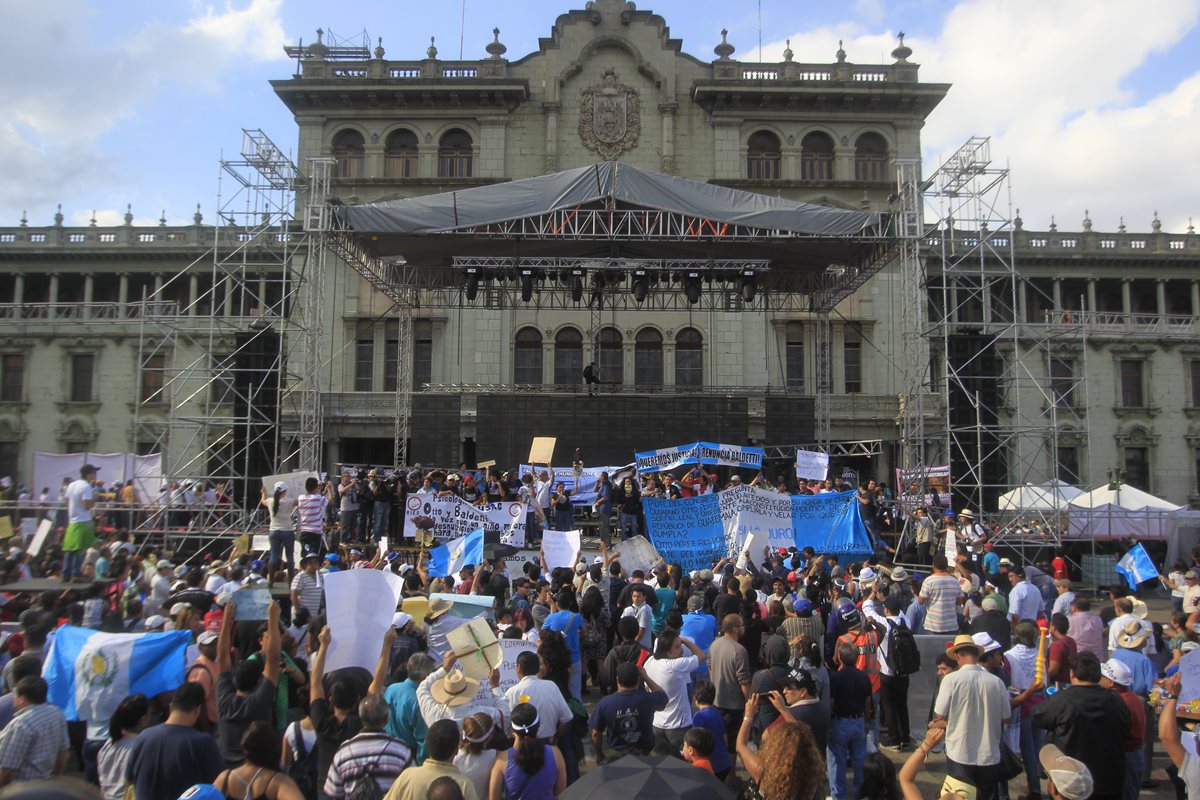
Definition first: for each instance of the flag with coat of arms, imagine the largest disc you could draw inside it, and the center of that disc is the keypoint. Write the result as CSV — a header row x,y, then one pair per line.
x,y
451,557
1136,567
89,673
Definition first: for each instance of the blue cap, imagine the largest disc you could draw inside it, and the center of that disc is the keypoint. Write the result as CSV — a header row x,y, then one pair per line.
x,y
803,606
949,513
256,565
202,791
332,557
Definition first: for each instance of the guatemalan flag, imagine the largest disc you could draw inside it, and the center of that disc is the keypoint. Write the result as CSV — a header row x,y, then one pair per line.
x,y
1136,567
451,557
90,673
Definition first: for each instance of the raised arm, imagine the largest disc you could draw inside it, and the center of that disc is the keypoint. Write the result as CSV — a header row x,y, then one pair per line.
x,y
912,767
271,648
224,658
316,683
379,681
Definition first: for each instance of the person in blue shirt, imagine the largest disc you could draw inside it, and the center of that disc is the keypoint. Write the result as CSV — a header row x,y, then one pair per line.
x,y
700,629
991,561
1129,652
709,718
565,619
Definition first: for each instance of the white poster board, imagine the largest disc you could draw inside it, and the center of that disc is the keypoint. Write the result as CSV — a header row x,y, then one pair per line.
x,y
360,604
812,465
39,538
295,482
510,649
561,548
636,552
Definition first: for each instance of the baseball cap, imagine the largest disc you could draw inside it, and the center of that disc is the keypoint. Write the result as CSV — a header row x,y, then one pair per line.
x,y
155,622
400,620
791,576
406,568
257,565
280,486
1070,775
803,606
990,604
179,608
164,564
1117,672
208,637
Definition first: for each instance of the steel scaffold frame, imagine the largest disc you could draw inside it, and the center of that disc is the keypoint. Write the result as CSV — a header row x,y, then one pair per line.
x,y
261,260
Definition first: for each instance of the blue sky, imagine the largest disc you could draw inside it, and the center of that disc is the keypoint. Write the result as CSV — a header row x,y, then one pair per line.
x,y
1095,104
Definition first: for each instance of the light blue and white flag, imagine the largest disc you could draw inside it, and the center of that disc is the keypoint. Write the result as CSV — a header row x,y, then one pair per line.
x,y
89,673
1136,567
451,557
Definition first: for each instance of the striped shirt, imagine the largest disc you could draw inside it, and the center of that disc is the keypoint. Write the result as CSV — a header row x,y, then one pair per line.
x,y
312,511
309,591
941,593
373,752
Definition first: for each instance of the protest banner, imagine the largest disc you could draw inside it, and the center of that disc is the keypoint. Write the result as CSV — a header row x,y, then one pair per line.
x,y
937,487
454,518
251,603
636,552
812,465
696,531
561,548
360,604
510,649
721,455
581,487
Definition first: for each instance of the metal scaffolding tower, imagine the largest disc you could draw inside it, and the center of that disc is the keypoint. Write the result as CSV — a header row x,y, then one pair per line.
x,y
239,362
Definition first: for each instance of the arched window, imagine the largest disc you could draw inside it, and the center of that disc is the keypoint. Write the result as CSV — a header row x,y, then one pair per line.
x,y
527,358
400,155
870,158
816,157
763,156
568,357
689,358
612,356
455,155
648,358
349,151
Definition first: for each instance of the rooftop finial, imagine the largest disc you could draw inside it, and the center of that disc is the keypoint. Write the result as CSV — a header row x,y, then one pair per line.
x,y
162,220
24,220
1121,227
1156,225
58,216
724,50
318,48
379,51
129,213
841,53
197,218
1018,223
1087,220
902,52
93,219
1053,224
432,51
1191,227
495,48
787,51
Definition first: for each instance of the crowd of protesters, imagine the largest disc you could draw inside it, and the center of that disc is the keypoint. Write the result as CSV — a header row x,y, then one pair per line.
x,y
782,674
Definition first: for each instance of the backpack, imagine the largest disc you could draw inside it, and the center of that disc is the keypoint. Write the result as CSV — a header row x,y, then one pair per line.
x,y
366,787
303,769
903,657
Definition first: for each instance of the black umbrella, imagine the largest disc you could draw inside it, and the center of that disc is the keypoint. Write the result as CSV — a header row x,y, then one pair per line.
x,y
647,778
494,550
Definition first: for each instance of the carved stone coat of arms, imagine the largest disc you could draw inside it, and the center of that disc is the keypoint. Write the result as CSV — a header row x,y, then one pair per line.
x,y
610,119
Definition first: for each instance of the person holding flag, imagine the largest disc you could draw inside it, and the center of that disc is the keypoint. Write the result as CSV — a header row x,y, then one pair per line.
x,y
449,558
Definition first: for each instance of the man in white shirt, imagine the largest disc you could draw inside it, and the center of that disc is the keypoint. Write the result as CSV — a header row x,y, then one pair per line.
x,y
218,573
640,611
1127,612
81,530
1024,601
971,705
544,695
160,587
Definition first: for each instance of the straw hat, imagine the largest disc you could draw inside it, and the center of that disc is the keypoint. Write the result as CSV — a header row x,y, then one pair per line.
x,y
438,606
1133,635
899,574
965,642
454,689
1139,608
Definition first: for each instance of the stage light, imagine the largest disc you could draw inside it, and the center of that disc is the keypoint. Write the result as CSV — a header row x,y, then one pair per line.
x,y
576,285
748,285
526,285
641,285
472,283
691,287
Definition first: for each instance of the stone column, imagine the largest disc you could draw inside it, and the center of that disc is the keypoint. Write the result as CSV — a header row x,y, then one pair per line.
x,y
123,288
1195,298
1091,296
193,290
667,110
1022,307
1160,291
228,296
89,289
19,288
551,111
1056,293
53,297
1126,296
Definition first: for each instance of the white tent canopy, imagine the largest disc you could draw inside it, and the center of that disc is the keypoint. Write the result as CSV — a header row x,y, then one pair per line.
x,y
1111,513
1050,496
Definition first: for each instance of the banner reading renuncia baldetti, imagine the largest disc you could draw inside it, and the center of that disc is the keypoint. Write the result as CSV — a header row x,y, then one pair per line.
x,y
721,455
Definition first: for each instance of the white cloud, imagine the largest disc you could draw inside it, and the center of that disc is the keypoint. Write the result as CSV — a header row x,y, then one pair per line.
x,y
1048,83
64,90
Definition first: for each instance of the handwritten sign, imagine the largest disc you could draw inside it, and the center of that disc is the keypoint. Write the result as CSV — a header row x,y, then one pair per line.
x,y
510,649
812,465
687,532
637,553
260,543
295,483
251,603
561,548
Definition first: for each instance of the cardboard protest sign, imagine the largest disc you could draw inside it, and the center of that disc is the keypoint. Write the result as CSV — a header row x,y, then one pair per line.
x,y
485,464
251,603
477,648
812,465
360,604
542,450
561,548
510,649
260,543
39,538
637,553
294,480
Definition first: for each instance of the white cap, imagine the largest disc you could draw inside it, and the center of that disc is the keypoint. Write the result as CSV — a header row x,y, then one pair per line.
x,y
178,608
155,622
1071,777
400,620
164,564
985,641
280,486
208,637
1117,672
406,568
867,575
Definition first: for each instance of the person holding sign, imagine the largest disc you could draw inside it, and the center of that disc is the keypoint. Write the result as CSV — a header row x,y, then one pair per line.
x,y
282,531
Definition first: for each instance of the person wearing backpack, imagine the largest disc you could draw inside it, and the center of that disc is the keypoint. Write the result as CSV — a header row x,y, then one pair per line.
x,y
368,763
898,658
299,756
